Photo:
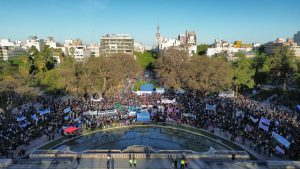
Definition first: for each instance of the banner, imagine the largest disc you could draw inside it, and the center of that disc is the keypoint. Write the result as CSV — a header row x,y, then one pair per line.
x,y
67,110
23,125
107,112
133,108
248,128
226,94
45,111
143,116
167,101
21,118
189,115
211,107
280,150
91,113
254,120
34,117
264,124
132,114
97,100
281,139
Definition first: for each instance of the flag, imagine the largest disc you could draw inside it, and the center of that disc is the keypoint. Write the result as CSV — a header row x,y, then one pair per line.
x,y
264,123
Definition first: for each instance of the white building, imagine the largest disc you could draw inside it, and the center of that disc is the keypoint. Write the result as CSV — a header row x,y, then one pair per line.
x,y
139,47
168,43
117,43
81,52
296,49
34,41
6,42
221,46
186,41
51,43
95,50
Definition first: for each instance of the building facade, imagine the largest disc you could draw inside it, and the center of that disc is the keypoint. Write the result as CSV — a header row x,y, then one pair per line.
x,y
185,41
34,41
117,43
270,46
221,46
297,38
139,47
8,52
95,50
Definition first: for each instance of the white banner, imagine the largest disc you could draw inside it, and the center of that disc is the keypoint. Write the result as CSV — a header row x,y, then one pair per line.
x,y
264,124
281,139
97,100
211,107
226,94
167,101
132,113
90,113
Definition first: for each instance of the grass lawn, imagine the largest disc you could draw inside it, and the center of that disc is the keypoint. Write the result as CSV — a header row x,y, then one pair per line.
x,y
145,59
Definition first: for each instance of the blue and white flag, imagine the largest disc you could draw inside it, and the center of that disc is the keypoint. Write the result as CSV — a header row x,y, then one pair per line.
x,y
67,110
211,107
45,111
264,123
34,117
21,118
23,125
280,150
281,139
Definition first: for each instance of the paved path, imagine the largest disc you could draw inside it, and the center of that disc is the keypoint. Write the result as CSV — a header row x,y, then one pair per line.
x,y
35,144
245,146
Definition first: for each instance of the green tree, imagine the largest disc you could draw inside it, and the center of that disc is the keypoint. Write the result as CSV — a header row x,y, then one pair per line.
x,y
170,64
260,64
283,65
13,89
243,73
207,74
201,49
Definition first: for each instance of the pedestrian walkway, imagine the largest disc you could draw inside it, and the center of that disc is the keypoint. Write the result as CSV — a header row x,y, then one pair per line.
x,y
246,145
35,144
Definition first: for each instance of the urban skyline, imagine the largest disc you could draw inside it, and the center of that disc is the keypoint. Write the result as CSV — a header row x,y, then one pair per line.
x,y
88,20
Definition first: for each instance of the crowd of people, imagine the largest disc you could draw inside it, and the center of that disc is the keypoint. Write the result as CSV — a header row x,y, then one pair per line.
x,y
240,117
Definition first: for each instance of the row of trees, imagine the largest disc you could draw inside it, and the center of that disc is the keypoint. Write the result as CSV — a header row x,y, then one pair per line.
x,y
34,72
95,75
176,70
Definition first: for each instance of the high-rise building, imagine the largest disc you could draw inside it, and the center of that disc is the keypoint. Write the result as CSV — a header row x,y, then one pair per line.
x,y
297,38
116,43
34,41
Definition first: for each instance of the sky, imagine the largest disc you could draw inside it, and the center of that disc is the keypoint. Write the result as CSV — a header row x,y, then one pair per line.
x,y
230,20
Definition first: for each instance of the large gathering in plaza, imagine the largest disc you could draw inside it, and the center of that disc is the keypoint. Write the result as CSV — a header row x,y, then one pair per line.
x,y
163,85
